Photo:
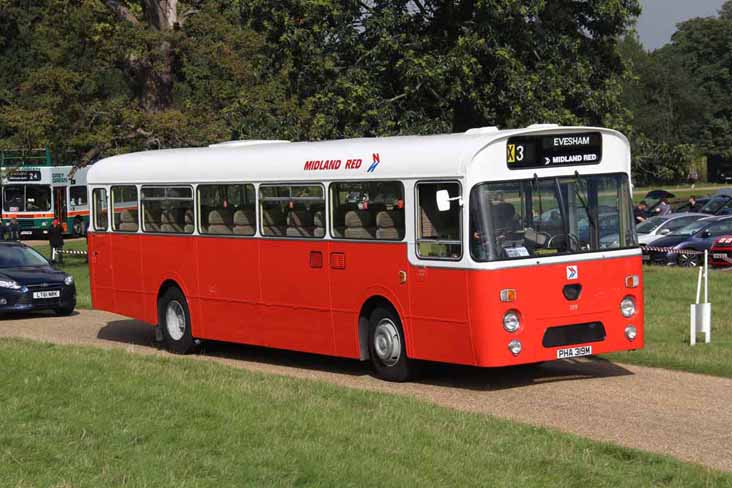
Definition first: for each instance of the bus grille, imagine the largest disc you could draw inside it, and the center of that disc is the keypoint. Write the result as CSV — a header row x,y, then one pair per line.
x,y
26,223
568,335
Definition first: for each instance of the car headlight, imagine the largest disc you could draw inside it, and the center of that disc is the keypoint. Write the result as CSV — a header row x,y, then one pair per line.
x,y
69,280
627,306
511,321
11,284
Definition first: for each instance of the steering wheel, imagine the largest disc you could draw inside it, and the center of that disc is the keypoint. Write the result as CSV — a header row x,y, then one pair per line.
x,y
570,237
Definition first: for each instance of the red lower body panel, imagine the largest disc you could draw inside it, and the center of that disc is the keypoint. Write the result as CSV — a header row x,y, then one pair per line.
x,y
308,295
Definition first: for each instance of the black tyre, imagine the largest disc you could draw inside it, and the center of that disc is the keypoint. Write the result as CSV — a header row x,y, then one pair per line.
x,y
690,260
387,347
65,311
174,319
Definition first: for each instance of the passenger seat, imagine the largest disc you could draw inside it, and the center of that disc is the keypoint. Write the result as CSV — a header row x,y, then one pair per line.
x,y
389,225
244,222
219,222
128,222
358,225
299,224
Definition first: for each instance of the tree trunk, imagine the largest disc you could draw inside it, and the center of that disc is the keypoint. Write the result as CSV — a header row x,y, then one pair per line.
x,y
161,14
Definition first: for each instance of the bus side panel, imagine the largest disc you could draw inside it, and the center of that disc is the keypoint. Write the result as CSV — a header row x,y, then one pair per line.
x,y
295,308
439,303
359,271
541,304
170,258
228,271
127,264
100,271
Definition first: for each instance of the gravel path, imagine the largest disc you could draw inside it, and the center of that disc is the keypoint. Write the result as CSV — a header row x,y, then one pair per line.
x,y
684,415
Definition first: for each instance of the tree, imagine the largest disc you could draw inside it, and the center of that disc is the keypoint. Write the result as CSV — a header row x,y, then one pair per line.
x,y
397,66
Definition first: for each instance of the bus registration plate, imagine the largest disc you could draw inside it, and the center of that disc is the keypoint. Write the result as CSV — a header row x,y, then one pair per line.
x,y
46,294
574,352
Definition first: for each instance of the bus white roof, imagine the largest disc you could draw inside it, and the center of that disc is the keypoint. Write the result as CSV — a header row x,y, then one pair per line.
x,y
399,158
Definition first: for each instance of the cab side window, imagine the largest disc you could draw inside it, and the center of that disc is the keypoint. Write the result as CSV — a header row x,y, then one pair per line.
x,y
101,211
439,231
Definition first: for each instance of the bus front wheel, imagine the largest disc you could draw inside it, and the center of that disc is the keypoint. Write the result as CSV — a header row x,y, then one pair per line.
x,y
174,319
387,347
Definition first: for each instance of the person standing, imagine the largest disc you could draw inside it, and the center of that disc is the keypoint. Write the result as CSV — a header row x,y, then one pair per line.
x,y
663,208
639,212
56,240
13,230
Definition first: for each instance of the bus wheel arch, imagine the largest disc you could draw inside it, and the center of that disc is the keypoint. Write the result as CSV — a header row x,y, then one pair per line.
x,y
174,318
77,227
378,322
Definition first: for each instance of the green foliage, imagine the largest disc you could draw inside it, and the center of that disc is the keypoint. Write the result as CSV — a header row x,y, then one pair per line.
x,y
391,66
98,76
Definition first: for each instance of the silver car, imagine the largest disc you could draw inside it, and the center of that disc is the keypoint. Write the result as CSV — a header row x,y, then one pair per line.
x,y
661,225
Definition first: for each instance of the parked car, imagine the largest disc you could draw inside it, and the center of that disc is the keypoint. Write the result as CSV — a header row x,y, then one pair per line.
x,y
720,254
686,206
718,205
661,225
29,282
697,236
653,199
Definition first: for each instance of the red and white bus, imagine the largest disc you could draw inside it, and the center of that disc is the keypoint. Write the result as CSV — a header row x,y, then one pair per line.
x,y
486,248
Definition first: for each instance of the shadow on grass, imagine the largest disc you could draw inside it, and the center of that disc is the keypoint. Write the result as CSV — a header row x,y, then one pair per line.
x,y
435,374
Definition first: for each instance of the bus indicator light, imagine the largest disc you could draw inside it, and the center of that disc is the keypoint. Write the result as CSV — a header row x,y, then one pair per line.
x,y
632,281
508,295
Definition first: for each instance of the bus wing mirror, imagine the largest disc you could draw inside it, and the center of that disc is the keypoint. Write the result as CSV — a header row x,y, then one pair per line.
x,y
443,200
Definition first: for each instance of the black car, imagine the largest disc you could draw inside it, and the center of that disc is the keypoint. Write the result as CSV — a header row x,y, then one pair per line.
x,y
29,282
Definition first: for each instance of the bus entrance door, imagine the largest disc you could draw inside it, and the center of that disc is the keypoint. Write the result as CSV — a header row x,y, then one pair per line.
x,y
59,205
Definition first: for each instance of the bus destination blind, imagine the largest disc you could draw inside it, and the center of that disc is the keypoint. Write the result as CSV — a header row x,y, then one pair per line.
x,y
545,151
24,175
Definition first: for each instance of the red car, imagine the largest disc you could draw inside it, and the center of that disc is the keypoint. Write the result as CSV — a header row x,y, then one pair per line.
x,y
720,254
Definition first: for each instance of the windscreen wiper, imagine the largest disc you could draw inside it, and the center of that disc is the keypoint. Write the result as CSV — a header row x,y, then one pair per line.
x,y
590,217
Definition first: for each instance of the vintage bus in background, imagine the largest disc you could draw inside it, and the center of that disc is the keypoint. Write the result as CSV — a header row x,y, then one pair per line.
x,y
486,248
35,191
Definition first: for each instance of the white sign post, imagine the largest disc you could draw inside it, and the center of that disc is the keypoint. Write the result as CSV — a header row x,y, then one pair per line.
x,y
701,313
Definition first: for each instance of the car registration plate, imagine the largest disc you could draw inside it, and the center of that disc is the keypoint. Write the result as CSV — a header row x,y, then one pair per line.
x,y
719,255
574,352
46,294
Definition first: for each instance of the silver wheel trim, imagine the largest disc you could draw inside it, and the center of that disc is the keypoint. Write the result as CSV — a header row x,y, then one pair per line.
x,y
387,342
175,320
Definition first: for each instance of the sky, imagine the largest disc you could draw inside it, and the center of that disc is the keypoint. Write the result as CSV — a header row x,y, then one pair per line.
x,y
659,18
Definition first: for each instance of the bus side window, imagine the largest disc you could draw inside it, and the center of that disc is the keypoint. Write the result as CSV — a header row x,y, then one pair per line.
x,y
367,210
167,209
227,209
296,211
439,233
100,209
125,214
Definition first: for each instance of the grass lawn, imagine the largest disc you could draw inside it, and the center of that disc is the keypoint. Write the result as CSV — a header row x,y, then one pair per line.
x,y
75,266
110,418
668,293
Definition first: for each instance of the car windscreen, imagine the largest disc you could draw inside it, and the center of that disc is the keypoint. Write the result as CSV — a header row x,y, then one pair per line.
x,y
19,257
691,228
714,205
648,226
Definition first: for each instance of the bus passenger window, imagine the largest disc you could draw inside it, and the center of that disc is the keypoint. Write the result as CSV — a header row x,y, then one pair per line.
x,y
77,195
227,209
292,211
367,210
167,209
100,209
125,209
438,233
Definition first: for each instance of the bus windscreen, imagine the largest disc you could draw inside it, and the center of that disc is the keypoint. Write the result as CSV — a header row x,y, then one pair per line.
x,y
551,216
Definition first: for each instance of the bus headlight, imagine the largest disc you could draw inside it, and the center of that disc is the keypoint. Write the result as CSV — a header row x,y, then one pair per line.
x,y
69,280
511,321
627,306
631,332
515,347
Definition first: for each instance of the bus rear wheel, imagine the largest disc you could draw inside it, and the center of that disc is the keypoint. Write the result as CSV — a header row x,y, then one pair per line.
x,y
174,319
387,347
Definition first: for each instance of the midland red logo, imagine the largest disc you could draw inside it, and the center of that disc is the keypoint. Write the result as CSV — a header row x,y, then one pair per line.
x,y
572,272
337,164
